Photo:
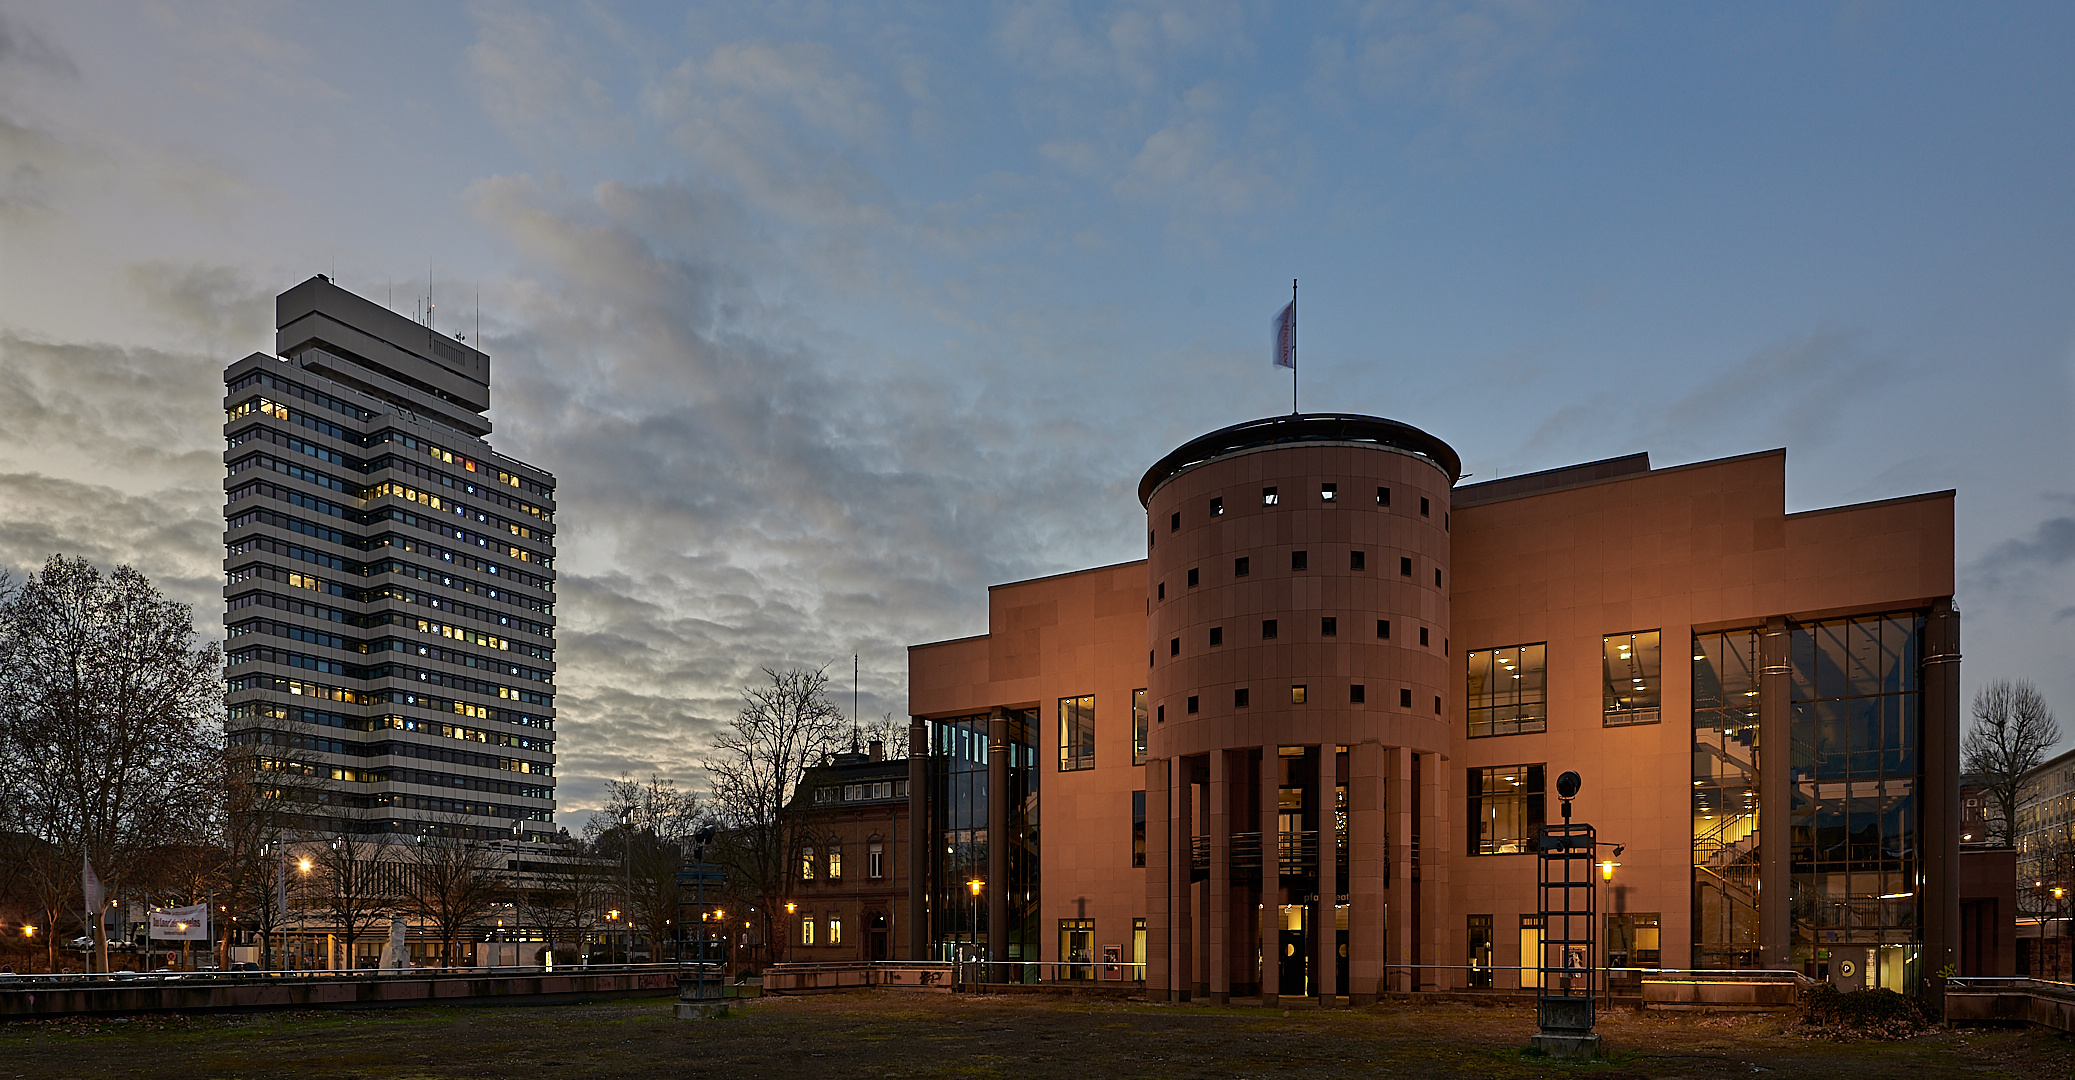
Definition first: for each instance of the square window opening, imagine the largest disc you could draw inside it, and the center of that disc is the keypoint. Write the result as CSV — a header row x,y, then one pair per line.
x,y
1423,506
1405,698
1328,492
1268,496
1267,629
1192,577
1300,560
1357,694
1191,709
1328,626
1357,561
1217,506
1383,629
1404,566
1242,566
1174,521
1174,646
1298,692
1217,636
1239,698
1423,635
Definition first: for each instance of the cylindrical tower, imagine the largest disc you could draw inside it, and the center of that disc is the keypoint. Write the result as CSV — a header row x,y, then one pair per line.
x,y
1297,577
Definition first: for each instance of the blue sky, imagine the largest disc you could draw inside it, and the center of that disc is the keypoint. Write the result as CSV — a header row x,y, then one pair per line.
x,y
828,316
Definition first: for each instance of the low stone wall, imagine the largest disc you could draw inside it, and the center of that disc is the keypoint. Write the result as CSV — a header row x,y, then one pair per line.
x,y
2045,1006
1711,994
828,978
32,1000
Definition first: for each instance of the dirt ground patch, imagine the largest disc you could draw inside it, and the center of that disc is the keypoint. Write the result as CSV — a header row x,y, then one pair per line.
x,y
894,1034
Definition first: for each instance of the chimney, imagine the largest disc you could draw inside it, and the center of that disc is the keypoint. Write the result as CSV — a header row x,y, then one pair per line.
x,y
878,750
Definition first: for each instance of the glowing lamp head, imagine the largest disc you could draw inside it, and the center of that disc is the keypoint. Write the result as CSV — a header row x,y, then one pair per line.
x,y
303,865
1606,869
974,886
28,931
791,907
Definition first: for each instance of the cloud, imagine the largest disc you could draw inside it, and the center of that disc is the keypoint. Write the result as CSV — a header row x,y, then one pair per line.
x,y
178,544
733,492
2050,546
1790,392
22,48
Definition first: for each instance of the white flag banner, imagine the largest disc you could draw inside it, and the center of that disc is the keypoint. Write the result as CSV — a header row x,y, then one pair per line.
x,y
90,886
180,923
1286,337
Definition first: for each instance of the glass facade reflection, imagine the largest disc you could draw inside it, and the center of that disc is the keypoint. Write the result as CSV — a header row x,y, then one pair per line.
x,y
1857,701
1632,678
1508,690
1725,799
961,833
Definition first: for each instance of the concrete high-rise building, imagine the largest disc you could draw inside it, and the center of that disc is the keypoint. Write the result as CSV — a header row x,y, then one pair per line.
x,y
389,578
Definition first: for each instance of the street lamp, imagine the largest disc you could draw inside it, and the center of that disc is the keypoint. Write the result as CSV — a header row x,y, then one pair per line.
x,y
627,860
974,886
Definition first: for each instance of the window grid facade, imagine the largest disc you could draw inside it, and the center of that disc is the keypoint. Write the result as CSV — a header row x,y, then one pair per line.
x,y
1508,690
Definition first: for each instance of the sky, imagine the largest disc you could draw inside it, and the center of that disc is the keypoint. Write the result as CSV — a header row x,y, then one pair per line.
x,y
828,316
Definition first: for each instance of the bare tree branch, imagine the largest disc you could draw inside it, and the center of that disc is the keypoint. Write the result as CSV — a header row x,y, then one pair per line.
x,y
2013,729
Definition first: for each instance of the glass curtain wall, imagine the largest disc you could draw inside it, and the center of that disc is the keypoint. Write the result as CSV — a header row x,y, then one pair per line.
x,y
1508,690
1725,799
961,831
1857,713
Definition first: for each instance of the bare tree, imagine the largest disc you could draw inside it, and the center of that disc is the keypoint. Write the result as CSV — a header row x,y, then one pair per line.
x,y
569,903
358,884
649,825
784,729
2013,729
455,882
891,733
109,718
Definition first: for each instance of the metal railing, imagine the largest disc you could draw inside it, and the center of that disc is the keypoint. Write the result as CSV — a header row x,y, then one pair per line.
x,y
1047,972
19,981
1495,976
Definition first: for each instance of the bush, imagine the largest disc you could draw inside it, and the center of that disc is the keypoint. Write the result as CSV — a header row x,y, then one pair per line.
x,y
1865,1013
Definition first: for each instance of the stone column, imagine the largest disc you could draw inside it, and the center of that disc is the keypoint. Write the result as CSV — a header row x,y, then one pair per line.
x,y
1398,804
1217,916
1939,810
1775,795
1159,881
1366,847
1271,882
1439,924
1182,812
999,838
1324,912
919,842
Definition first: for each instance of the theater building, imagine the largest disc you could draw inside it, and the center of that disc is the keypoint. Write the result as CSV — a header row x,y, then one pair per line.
x,y
1361,679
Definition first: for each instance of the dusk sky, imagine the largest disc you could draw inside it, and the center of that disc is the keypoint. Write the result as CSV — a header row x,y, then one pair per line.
x,y
829,315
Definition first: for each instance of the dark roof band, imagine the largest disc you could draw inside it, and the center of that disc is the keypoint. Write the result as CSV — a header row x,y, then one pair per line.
x,y
1301,428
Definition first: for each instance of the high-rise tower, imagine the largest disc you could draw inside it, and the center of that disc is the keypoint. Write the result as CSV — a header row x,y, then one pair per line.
x,y
389,578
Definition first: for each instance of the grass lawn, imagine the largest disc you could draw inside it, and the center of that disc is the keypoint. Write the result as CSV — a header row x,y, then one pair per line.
x,y
896,1034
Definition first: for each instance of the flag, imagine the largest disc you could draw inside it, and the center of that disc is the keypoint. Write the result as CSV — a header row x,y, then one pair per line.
x,y
90,886
1285,332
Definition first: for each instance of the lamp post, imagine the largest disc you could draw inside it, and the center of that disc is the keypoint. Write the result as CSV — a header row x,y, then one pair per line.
x,y
974,886
2060,898
627,897
518,824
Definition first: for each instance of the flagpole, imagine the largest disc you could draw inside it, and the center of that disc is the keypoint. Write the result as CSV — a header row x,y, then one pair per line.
x,y
1293,347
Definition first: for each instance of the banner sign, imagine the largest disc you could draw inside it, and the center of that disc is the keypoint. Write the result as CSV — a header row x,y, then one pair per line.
x,y
180,924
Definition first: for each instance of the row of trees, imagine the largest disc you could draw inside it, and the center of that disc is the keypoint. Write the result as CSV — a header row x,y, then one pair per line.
x,y
113,755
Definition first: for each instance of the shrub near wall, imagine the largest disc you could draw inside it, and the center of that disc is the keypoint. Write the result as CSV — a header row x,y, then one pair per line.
x,y
1875,1014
